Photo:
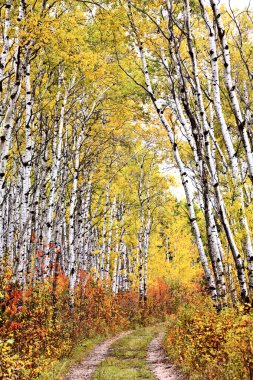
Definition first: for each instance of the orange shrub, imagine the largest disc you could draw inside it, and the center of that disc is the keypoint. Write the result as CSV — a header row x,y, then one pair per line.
x,y
37,326
209,345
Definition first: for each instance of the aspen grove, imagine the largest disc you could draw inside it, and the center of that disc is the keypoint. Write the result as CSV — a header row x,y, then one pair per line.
x,y
109,110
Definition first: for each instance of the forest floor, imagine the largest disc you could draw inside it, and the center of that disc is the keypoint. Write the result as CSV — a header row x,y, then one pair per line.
x,y
128,356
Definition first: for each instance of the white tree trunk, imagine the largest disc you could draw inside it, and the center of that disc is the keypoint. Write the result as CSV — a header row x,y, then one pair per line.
x,y
184,178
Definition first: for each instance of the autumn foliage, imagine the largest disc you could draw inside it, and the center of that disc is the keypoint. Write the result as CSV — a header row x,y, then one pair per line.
x,y
37,326
208,344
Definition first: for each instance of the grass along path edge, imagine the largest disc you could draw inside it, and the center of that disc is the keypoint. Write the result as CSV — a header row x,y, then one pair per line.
x,y
59,368
128,357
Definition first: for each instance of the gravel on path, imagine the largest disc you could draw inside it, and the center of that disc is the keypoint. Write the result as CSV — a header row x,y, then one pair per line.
x,y
158,361
87,367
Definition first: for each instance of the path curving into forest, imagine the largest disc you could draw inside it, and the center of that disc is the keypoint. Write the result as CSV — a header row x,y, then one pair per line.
x,y
158,360
87,367
148,360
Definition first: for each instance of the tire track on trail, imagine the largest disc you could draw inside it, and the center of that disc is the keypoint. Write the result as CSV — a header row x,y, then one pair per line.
x,y
158,361
87,367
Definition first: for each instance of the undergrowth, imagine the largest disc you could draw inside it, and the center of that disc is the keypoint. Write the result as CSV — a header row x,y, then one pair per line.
x,y
211,345
38,328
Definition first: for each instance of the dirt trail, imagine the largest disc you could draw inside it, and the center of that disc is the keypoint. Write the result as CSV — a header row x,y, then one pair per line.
x,y
87,367
158,361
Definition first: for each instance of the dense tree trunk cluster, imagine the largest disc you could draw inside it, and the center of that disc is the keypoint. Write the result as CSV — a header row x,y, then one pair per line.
x,y
80,190
63,152
193,65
